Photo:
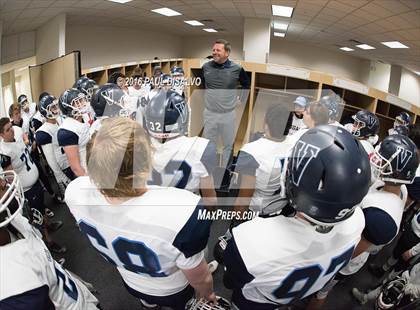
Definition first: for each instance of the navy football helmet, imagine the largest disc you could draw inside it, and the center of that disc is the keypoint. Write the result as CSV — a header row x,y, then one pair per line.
x,y
334,104
324,161
366,124
108,100
73,103
395,160
403,119
401,130
88,87
80,81
167,115
22,99
48,107
177,71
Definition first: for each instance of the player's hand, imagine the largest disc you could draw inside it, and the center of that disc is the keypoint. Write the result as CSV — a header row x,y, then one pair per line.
x,y
210,297
25,138
407,255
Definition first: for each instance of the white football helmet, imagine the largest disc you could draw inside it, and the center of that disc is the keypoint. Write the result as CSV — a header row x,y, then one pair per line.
x,y
201,304
10,189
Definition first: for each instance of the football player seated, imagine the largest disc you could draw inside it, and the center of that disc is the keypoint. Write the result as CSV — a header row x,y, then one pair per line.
x,y
260,164
395,162
19,159
178,160
365,129
297,123
404,120
46,139
151,234
278,260
73,133
109,101
31,279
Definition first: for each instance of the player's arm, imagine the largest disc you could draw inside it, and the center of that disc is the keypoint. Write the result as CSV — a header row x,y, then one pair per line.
x,y
69,141
73,157
380,229
208,192
201,280
246,166
191,241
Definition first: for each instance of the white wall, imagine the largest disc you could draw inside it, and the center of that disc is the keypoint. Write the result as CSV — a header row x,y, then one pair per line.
x,y
101,46
313,58
17,46
50,39
201,46
410,87
256,39
375,74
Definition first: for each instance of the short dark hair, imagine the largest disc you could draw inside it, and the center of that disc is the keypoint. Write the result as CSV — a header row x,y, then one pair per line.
x,y
137,73
3,122
276,120
414,134
114,77
319,113
226,44
14,107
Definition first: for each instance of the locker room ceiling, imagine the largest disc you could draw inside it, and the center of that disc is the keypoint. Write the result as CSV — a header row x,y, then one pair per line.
x,y
328,24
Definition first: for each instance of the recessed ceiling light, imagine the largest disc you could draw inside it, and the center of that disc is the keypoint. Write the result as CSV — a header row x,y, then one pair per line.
x,y
210,30
279,34
394,44
166,12
280,26
280,10
193,22
120,1
347,49
417,72
365,47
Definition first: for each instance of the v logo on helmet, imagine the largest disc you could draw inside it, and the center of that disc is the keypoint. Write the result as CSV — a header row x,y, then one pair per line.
x,y
302,155
371,121
403,158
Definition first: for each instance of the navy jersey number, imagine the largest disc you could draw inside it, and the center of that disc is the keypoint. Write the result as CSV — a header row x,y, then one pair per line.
x,y
24,157
179,172
123,248
307,276
69,287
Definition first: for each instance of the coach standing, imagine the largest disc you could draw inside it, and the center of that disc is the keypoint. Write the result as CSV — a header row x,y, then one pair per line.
x,y
221,77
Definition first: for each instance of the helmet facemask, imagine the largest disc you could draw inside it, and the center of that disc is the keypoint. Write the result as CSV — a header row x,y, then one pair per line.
x,y
383,167
10,189
357,126
79,105
53,110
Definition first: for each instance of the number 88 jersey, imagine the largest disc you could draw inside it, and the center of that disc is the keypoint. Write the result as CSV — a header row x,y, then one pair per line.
x,y
22,162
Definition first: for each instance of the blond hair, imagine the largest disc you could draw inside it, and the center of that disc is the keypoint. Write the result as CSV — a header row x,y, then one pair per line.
x,y
119,158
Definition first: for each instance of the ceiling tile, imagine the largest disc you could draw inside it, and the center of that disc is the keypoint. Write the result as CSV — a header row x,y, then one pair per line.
x,y
40,4
413,4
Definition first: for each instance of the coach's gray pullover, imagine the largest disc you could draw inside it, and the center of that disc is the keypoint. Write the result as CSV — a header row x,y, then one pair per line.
x,y
220,82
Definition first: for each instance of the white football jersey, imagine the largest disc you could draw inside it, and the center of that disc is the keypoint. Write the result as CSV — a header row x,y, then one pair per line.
x,y
148,238
73,132
47,133
182,162
370,150
26,265
383,213
297,124
264,159
22,162
280,259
